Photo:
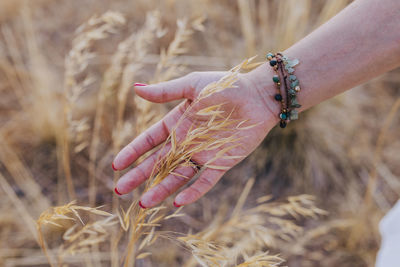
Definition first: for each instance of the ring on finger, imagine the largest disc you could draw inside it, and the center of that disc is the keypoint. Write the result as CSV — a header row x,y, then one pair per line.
x,y
195,165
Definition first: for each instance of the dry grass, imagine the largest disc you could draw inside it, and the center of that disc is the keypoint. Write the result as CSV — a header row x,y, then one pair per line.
x,y
67,107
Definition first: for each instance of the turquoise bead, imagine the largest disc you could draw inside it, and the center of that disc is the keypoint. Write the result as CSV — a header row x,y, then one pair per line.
x,y
283,116
275,78
269,55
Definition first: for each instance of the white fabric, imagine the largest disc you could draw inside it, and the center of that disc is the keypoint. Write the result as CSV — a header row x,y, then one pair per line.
x,y
389,253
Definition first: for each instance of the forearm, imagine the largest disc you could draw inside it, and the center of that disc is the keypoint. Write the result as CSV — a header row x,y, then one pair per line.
x,y
358,44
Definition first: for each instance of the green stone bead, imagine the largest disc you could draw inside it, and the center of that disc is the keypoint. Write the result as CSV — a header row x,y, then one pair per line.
x,y
275,78
292,77
292,92
283,116
290,70
294,84
294,103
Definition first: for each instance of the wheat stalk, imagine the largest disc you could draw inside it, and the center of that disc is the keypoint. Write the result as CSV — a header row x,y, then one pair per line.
x,y
248,230
76,62
77,240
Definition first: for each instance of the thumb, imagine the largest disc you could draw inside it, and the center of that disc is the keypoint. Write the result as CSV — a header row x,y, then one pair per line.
x,y
168,91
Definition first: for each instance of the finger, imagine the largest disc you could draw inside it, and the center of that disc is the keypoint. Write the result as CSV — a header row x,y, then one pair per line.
x,y
167,186
168,91
207,179
149,139
140,173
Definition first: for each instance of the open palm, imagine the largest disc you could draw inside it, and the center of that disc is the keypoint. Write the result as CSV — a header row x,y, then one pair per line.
x,y
244,102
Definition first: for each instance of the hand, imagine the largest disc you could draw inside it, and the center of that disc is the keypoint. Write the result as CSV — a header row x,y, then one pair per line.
x,y
252,100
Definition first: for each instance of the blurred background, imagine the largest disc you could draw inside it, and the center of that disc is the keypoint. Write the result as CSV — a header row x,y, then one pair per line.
x,y
67,106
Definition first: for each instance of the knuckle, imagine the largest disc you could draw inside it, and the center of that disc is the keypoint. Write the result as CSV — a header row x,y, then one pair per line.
x,y
140,172
149,139
181,177
164,188
195,192
165,127
164,93
132,149
206,182
194,78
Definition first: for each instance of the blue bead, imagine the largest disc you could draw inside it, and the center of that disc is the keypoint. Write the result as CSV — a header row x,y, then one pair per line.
x,y
278,97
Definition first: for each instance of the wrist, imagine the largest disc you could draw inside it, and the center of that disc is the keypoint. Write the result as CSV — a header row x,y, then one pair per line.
x,y
261,81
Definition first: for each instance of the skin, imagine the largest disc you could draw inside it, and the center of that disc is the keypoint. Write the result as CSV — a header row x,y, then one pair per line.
x,y
359,43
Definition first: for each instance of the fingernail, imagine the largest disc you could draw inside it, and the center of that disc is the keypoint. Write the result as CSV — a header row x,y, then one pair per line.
x,y
140,84
176,205
141,205
112,165
116,192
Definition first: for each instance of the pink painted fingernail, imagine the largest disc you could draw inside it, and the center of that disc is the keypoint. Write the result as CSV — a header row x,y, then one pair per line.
x,y
112,165
141,205
176,205
116,192
140,84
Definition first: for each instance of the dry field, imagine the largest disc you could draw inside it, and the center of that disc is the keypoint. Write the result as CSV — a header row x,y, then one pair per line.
x,y
311,195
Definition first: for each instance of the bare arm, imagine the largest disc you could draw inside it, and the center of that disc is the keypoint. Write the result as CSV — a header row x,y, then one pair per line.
x,y
359,43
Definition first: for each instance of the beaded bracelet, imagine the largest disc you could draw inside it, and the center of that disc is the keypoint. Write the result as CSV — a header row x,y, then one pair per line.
x,y
286,67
